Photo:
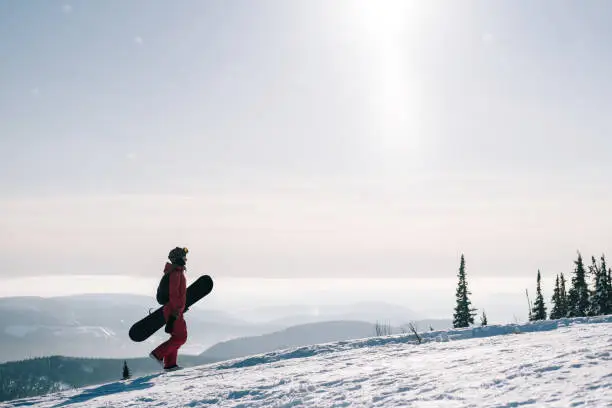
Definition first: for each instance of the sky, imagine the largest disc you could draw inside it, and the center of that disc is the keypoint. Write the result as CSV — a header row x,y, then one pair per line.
x,y
305,139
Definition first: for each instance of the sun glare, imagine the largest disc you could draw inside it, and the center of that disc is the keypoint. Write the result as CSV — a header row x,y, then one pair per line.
x,y
389,31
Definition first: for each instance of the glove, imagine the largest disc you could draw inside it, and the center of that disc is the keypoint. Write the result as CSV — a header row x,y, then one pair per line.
x,y
170,324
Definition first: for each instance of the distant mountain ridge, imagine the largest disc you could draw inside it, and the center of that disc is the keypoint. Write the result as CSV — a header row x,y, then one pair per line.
x,y
96,325
307,334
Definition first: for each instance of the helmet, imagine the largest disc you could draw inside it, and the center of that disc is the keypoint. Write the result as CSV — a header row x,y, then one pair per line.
x,y
178,256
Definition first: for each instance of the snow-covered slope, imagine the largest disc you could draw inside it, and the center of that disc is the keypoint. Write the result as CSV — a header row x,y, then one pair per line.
x,y
560,363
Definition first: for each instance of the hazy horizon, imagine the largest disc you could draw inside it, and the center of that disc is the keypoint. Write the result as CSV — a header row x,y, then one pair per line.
x,y
502,298
353,139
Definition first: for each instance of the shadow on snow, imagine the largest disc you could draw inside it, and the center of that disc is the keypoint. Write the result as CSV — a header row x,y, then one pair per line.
x,y
108,389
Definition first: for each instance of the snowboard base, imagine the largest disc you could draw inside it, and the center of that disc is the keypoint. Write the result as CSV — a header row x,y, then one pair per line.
x,y
148,325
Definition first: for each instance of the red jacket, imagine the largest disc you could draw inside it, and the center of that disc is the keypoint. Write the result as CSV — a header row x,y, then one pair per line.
x,y
177,290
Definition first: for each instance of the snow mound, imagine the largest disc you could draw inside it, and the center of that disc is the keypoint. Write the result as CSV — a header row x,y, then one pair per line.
x,y
559,363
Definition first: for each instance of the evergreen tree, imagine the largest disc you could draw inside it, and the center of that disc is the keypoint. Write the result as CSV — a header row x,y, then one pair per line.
x,y
564,309
483,319
607,285
539,308
464,314
600,295
126,371
556,301
578,297
609,290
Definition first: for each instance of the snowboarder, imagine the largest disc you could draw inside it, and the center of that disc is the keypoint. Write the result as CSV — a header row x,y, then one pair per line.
x,y
166,353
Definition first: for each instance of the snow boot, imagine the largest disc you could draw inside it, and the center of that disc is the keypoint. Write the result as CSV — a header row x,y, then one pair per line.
x,y
172,368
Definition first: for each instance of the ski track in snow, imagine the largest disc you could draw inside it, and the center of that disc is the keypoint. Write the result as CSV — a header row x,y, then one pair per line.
x,y
565,363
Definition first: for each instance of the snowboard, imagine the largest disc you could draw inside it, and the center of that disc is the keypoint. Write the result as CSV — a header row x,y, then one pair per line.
x,y
148,325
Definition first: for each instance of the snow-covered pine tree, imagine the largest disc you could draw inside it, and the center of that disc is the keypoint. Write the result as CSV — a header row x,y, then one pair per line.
x,y
483,318
564,309
539,308
557,306
126,371
578,297
464,314
600,296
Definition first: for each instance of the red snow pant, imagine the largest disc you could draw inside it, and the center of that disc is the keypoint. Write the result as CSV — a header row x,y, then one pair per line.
x,y
168,350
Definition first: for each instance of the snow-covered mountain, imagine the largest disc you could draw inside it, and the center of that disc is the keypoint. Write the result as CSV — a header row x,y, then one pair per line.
x,y
561,363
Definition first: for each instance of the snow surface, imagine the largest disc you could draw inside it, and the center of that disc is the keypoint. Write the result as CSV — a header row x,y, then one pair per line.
x,y
561,363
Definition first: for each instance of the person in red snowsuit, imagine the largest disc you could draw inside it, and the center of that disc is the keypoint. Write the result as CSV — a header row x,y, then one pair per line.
x,y
166,353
